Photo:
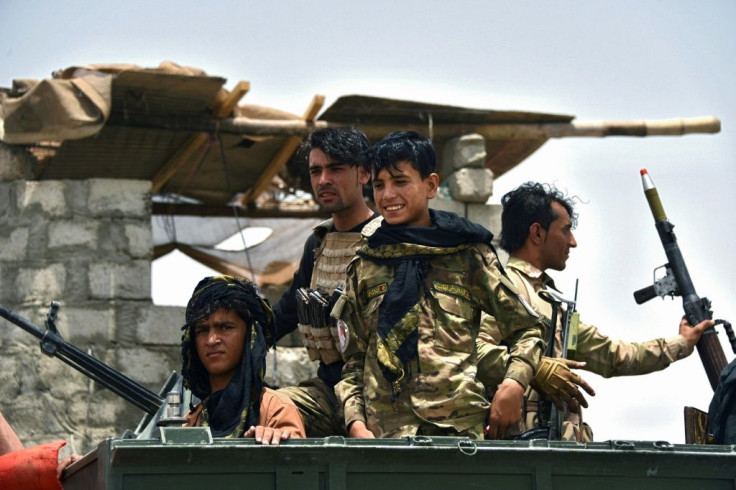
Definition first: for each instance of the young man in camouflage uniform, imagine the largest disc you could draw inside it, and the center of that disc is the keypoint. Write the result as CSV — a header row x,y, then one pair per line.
x,y
537,223
410,313
337,173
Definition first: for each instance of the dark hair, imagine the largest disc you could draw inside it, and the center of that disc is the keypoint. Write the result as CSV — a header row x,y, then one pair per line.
x,y
402,146
530,203
346,144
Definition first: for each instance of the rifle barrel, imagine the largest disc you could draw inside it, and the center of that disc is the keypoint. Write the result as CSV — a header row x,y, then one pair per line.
x,y
115,381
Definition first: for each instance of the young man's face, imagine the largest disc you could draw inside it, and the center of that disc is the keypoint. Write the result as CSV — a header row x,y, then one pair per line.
x,y
219,339
558,240
402,196
337,186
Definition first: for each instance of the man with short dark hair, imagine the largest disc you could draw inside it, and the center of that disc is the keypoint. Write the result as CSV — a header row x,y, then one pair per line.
x,y
411,308
336,169
537,223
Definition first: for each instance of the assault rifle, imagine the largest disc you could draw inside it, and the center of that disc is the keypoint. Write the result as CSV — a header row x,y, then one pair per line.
x,y
677,282
568,342
550,417
54,345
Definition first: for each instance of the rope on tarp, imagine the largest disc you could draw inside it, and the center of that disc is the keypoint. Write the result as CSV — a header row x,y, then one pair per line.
x,y
168,221
235,208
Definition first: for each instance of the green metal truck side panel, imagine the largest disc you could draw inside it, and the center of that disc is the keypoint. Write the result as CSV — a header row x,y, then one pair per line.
x,y
420,463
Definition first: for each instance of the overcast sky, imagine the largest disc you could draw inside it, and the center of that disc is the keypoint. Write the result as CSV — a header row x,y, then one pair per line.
x,y
597,60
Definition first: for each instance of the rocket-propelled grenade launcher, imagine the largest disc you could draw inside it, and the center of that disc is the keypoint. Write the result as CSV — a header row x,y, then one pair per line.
x,y
677,282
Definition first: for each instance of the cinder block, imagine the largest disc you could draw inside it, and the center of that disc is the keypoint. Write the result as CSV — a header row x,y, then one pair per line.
x,y
464,151
119,197
473,185
94,410
40,284
14,244
47,195
62,381
140,240
82,326
69,233
144,365
160,325
130,280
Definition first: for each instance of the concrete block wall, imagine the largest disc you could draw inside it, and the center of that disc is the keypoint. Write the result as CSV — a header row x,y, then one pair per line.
x,y
88,245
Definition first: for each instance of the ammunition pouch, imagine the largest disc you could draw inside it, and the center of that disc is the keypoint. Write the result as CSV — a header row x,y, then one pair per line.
x,y
318,329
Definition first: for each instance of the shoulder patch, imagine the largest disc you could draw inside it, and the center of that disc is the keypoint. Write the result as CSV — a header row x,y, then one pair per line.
x,y
452,289
371,227
375,291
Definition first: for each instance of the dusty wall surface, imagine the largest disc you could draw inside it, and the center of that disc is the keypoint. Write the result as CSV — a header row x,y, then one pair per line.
x,y
86,244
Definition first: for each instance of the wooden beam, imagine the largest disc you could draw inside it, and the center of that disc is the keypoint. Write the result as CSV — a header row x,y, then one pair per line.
x,y
282,157
279,277
244,126
226,106
222,109
213,262
263,127
314,107
161,250
193,145
182,209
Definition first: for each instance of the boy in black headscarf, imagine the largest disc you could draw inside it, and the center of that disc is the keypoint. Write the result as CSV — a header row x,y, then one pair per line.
x,y
224,360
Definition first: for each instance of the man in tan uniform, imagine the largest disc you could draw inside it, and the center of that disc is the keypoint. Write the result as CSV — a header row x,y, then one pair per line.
x,y
537,224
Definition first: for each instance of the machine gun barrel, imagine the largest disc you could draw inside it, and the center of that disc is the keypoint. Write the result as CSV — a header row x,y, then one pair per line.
x,y
53,345
678,283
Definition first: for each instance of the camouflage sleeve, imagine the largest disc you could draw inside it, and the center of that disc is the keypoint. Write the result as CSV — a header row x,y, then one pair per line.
x,y
520,327
609,357
350,388
492,356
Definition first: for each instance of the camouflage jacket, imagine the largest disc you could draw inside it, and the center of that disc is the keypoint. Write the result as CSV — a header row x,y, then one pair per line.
x,y
603,355
440,389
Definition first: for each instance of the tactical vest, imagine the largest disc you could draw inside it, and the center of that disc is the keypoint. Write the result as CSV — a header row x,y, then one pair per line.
x,y
331,260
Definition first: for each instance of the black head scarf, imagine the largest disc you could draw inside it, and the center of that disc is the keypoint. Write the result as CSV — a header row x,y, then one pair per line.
x,y
229,412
